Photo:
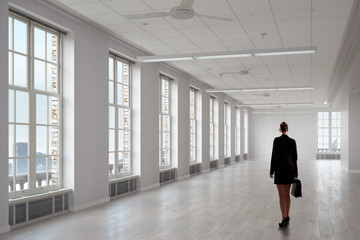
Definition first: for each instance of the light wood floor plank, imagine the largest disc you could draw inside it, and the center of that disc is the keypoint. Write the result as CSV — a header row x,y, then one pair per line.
x,y
236,202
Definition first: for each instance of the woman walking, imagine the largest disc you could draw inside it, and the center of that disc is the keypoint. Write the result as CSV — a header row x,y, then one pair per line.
x,y
284,165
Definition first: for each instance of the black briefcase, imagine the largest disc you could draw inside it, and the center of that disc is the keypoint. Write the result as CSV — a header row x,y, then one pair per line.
x,y
296,188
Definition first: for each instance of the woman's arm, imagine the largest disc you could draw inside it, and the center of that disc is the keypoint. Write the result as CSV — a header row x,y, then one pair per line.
x,y
273,160
294,158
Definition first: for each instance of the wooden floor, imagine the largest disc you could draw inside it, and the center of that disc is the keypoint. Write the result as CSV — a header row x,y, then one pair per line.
x,y
236,202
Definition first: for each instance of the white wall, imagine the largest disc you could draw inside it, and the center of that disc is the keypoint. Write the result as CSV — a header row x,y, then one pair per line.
x,y
354,132
265,127
345,133
4,168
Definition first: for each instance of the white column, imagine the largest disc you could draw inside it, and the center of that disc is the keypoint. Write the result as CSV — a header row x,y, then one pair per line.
x,y
4,168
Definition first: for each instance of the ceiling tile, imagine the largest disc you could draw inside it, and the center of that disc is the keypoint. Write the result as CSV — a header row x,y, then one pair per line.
x,y
281,5
337,11
136,6
93,8
298,14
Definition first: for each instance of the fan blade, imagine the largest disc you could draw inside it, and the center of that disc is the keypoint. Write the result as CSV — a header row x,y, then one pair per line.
x,y
147,15
214,17
186,4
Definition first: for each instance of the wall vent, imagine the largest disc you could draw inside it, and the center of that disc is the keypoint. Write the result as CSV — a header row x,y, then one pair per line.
x,y
227,161
245,156
328,156
195,169
237,158
168,175
122,186
24,210
214,164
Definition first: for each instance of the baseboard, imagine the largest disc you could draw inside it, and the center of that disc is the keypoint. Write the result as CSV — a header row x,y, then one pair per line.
x,y
353,171
206,170
142,189
5,229
222,166
184,177
90,204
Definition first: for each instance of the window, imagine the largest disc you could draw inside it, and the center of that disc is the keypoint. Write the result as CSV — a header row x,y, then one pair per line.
x,y
329,124
193,125
226,129
246,127
237,132
119,117
164,123
212,127
35,161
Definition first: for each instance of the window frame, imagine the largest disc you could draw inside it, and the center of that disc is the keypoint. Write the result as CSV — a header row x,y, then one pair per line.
x,y
193,133
226,154
212,125
32,92
246,131
161,131
237,131
327,136
116,106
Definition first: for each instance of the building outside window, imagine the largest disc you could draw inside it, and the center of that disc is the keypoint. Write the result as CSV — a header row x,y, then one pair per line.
x,y
119,117
35,112
212,127
164,123
329,125
193,139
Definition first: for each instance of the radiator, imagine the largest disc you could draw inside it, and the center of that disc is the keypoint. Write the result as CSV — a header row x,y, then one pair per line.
x,y
167,176
328,156
214,164
237,158
22,211
122,186
195,169
227,161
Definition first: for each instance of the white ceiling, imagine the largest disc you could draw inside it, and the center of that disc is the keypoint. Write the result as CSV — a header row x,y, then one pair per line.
x,y
287,23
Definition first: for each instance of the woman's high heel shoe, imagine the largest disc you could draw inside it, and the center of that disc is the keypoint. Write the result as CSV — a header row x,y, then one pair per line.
x,y
285,222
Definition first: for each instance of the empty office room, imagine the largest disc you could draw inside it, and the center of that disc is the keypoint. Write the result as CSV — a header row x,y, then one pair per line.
x,y
179,119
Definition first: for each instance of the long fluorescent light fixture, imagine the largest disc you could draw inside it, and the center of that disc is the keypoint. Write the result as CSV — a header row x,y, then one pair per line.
x,y
229,54
260,89
275,104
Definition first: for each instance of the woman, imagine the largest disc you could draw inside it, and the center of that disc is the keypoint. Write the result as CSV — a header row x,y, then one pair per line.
x,y
283,164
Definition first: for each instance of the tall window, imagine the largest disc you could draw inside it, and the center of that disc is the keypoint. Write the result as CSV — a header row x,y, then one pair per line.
x,y
246,127
212,128
237,132
329,131
164,123
226,153
35,144
119,117
192,125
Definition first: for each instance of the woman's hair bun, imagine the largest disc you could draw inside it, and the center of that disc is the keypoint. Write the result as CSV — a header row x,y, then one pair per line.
x,y
283,127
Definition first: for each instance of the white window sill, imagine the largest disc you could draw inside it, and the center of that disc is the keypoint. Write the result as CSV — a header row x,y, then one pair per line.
x,y
39,196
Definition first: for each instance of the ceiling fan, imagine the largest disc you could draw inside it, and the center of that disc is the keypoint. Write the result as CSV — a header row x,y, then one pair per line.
x,y
183,11
245,71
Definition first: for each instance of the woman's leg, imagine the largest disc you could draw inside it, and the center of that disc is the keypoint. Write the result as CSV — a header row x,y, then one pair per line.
x,y
282,199
287,194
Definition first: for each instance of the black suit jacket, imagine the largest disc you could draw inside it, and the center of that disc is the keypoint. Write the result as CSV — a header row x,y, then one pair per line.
x,y
284,156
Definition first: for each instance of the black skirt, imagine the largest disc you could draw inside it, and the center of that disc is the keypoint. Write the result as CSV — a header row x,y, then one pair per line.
x,y
284,176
